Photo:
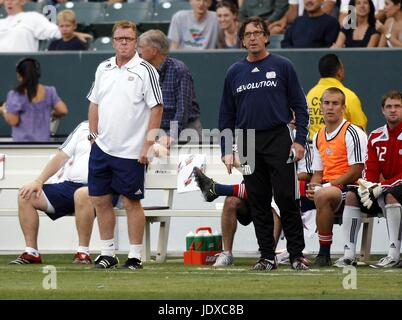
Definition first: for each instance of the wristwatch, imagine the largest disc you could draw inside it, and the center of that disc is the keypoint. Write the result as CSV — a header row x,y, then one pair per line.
x,y
92,136
388,36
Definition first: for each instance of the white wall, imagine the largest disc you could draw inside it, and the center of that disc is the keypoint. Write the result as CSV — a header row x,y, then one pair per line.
x,y
61,235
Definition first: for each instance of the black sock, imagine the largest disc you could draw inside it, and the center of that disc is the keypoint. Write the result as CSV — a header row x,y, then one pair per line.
x,y
324,250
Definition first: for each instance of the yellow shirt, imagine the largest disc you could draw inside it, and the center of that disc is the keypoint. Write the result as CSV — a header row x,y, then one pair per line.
x,y
353,113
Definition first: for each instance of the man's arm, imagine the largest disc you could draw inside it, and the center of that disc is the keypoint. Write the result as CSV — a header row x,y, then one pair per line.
x,y
331,33
50,169
354,173
316,180
153,128
184,100
93,117
174,33
287,41
297,101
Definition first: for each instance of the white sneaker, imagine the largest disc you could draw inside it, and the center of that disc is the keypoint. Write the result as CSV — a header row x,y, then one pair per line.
x,y
283,257
386,262
345,262
223,260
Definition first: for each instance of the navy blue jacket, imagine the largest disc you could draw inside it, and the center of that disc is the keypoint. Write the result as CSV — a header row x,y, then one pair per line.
x,y
261,95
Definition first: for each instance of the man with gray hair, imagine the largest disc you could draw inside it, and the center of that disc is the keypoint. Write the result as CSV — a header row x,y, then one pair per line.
x,y
181,111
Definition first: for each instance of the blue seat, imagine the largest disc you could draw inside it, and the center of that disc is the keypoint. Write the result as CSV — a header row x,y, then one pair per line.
x,y
164,10
275,41
85,12
137,12
102,44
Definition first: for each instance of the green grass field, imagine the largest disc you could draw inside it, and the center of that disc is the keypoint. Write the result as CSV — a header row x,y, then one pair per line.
x,y
173,280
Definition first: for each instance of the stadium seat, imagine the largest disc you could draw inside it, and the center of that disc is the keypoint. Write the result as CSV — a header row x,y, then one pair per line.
x,y
102,44
34,6
275,41
164,10
3,12
162,15
86,12
137,12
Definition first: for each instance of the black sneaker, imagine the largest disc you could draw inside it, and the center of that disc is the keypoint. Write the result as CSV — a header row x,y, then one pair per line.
x,y
207,185
265,264
322,260
132,263
300,263
106,262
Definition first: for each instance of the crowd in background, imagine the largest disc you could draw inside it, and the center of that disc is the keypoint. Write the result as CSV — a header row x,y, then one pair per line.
x,y
210,24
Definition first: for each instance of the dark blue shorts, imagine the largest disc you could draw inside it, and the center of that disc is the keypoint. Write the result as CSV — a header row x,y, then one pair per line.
x,y
108,174
243,213
61,196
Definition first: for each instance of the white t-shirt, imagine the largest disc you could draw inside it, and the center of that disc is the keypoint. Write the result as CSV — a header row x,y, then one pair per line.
x,y
77,147
378,5
21,32
124,97
190,33
301,5
356,144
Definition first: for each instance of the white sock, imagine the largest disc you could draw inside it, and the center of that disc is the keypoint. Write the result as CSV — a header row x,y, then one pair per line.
x,y
32,251
351,223
393,213
107,248
83,249
135,251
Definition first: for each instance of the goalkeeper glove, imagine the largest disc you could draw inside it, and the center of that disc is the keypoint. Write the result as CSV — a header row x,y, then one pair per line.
x,y
368,192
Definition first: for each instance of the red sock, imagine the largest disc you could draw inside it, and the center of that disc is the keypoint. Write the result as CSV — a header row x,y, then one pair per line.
x,y
325,238
239,190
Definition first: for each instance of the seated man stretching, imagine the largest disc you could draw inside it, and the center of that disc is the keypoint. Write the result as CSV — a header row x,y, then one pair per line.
x,y
236,207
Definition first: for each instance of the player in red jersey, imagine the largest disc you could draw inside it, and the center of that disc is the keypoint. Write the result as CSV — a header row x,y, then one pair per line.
x,y
381,189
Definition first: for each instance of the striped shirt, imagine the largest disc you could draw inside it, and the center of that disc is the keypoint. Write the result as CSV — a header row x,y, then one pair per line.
x,y
124,97
178,96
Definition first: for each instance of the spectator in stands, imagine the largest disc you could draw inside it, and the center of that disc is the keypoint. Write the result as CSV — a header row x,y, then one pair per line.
x,y
21,31
228,37
315,30
391,31
214,4
364,34
295,9
31,105
60,198
381,189
268,10
332,74
194,29
339,149
180,108
67,25
344,11
125,112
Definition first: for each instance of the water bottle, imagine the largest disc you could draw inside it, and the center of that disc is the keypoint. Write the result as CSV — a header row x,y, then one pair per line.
x,y
217,241
209,242
199,241
190,241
